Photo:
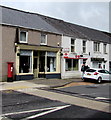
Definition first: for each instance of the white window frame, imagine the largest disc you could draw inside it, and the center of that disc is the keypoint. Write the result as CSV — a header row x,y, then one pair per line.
x,y
73,45
26,36
104,48
45,39
84,46
96,47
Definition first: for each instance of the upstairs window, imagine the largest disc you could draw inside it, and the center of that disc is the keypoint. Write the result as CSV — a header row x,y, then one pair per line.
x,y
23,37
96,47
72,45
104,48
43,39
84,46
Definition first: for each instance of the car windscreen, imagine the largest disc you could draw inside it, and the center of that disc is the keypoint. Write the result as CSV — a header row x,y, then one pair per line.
x,y
90,70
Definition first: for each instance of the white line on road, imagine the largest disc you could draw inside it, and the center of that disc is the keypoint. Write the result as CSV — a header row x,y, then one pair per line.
x,y
29,111
102,98
46,112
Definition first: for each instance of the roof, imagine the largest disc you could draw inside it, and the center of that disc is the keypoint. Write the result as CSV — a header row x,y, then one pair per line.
x,y
19,18
93,34
77,31
63,27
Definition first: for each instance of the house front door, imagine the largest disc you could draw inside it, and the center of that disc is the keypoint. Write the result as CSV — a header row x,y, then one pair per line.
x,y
35,67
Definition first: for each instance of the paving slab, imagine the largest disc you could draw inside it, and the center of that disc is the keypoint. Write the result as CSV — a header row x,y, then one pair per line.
x,y
37,83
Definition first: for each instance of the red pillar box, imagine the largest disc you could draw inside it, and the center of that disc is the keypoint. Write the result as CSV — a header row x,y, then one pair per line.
x,y
10,72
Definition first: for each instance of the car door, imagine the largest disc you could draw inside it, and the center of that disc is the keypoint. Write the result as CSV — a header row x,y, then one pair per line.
x,y
104,74
108,75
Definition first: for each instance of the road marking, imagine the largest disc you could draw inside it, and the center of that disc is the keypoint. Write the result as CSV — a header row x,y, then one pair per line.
x,y
47,112
29,111
101,98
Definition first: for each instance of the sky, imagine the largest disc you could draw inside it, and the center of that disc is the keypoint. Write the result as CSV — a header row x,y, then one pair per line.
x,y
92,14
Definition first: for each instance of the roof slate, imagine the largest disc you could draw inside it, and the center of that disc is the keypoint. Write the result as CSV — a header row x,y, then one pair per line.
x,y
63,27
77,30
25,19
19,18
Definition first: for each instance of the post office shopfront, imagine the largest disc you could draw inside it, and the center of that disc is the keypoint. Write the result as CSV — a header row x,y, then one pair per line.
x,y
36,63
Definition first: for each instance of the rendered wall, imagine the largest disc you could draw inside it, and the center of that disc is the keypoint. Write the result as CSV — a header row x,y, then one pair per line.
x,y
66,43
8,49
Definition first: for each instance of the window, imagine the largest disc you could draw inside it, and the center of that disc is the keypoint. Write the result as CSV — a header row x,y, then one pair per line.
x,y
23,37
104,48
51,61
43,39
103,71
50,57
84,46
71,64
90,70
72,45
25,62
96,46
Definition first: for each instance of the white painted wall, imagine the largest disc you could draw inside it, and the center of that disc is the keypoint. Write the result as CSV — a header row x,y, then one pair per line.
x,y
66,43
109,52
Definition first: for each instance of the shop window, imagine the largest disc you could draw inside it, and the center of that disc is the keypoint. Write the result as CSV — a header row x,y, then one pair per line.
x,y
51,64
23,37
51,61
71,64
96,65
43,39
72,45
25,62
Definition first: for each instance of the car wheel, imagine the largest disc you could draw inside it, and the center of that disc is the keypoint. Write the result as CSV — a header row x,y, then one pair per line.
x,y
99,80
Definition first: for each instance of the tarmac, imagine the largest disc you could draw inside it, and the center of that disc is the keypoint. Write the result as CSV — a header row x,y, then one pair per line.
x,y
37,83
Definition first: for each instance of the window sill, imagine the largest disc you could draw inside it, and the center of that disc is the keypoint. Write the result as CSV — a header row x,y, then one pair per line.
x,y
43,44
85,53
97,52
23,42
24,73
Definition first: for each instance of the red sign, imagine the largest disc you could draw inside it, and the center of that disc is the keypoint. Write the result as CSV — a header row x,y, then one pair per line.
x,y
77,56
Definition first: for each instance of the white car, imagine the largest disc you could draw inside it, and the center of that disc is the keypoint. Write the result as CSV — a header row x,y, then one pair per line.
x,y
97,74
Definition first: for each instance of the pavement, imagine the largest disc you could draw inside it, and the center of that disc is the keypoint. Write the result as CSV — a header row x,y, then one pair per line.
x,y
37,83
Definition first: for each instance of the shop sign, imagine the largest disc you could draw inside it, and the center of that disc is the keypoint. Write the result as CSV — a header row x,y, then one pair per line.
x,y
97,59
72,56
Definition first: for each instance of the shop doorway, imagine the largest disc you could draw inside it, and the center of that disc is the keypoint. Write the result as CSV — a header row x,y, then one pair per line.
x,y
35,67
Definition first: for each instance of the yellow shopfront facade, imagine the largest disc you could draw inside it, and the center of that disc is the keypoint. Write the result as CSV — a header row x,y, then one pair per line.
x,y
37,62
